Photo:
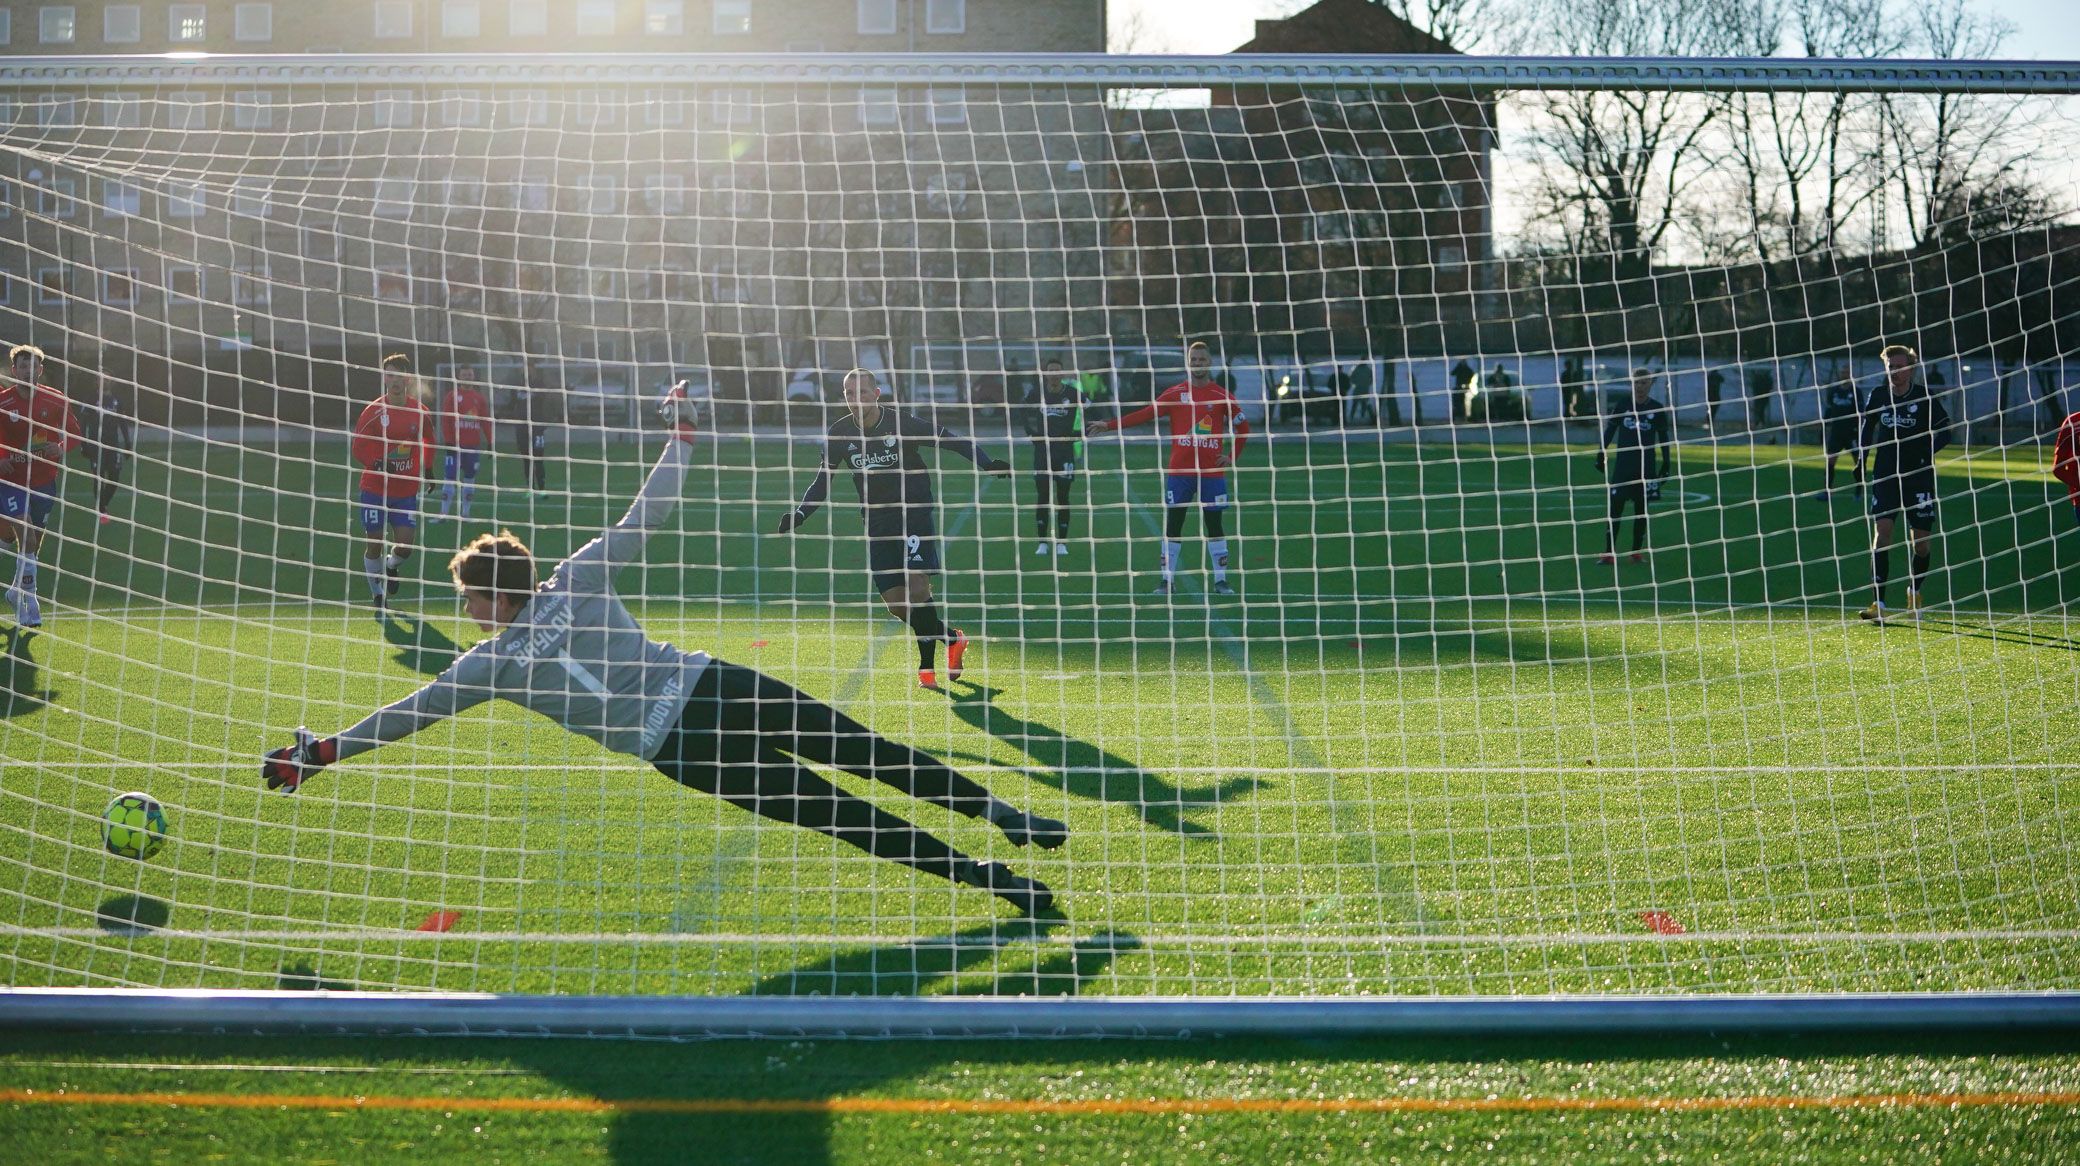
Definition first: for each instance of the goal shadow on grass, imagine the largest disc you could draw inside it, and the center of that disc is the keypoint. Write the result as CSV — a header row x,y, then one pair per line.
x,y
1084,770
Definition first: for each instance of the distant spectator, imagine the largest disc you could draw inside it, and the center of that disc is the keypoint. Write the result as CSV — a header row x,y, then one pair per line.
x,y
1762,385
1463,376
1714,396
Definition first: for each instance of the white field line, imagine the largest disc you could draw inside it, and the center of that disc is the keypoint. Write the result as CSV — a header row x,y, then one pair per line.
x,y
1128,940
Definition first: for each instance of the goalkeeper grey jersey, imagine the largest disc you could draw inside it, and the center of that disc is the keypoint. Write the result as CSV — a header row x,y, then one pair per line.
x,y
573,654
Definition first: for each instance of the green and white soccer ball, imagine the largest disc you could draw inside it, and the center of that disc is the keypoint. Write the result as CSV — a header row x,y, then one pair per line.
x,y
134,826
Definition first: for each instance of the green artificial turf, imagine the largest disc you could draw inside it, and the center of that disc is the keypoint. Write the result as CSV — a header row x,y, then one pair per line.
x,y
1433,747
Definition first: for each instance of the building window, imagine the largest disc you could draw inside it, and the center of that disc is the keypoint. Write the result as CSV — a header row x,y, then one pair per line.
x,y
393,109
877,17
393,19
602,194
537,193
122,111
122,24
120,199
527,18
732,17
119,287
55,197
252,198
732,106
461,18
664,107
252,111
187,24
56,26
665,17
594,109
878,107
249,284
596,17
58,109
1451,258
321,241
462,107
949,107
50,285
188,111
394,283
394,198
946,16
464,192
253,22
184,282
6,26
527,107
665,194
186,200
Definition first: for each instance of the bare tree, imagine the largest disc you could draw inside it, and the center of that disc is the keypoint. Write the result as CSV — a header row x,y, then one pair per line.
x,y
1615,165
1947,149
1466,25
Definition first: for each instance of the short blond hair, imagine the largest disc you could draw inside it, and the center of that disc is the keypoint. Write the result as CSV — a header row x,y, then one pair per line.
x,y
21,350
1892,350
1197,346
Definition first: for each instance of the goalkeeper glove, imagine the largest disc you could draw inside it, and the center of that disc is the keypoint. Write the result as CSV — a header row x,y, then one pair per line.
x,y
1001,469
676,411
285,768
791,519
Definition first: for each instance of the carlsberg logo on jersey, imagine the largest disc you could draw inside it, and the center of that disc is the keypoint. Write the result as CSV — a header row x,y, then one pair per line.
x,y
888,455
1901,417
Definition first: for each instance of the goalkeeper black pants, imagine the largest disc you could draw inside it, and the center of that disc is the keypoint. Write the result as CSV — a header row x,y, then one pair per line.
x,y
744,736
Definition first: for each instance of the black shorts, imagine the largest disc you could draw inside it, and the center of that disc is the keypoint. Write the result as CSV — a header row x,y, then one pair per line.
x,y
1915,494
1839,436
1054,459
1634,492
897,547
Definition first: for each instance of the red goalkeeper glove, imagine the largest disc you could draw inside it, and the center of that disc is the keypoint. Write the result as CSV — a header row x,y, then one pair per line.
x,y
285,768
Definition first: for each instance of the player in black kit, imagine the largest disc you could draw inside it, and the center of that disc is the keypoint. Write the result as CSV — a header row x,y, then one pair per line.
x,y
111,437
1054,418
1903,428
880,446
1840,413
1628,450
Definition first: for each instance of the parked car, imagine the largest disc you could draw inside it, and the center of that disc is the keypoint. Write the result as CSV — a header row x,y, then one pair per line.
x,y
602,402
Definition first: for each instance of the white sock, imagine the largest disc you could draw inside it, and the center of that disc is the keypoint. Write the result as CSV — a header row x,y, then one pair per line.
x,y
447,498
1170,552
25,572
469,491
393,561
1217,555
373,568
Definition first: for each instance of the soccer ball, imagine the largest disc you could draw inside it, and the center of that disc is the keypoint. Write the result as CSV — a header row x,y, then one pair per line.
x,y
134,826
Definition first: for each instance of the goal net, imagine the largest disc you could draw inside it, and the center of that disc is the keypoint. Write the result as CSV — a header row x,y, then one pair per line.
x,y
1455,731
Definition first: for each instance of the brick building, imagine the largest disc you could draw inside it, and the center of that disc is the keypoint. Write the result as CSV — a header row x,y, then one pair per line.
x,y
1308,219
255,234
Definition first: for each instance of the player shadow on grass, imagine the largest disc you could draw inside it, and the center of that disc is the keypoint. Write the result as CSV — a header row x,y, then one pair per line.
x,y
132,914
21,677
421,646
1028,965
2018,637
1086,771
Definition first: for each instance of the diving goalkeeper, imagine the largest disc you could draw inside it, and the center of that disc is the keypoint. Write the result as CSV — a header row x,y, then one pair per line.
x,y
570,651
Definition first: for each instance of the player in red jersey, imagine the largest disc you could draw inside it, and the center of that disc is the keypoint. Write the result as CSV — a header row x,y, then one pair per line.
x,y
37,428
2065,459
390,446
465,421
1202,416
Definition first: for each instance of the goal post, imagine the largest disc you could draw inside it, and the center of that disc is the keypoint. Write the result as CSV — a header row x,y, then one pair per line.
x,y
1506,674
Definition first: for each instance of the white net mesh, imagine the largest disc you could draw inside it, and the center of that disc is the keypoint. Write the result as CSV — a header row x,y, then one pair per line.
x,y
1433,745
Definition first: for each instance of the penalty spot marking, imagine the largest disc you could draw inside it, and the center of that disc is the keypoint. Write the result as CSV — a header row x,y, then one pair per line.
x,y
1035,1107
